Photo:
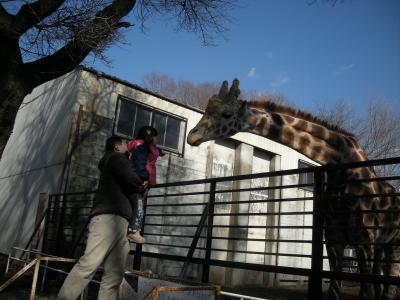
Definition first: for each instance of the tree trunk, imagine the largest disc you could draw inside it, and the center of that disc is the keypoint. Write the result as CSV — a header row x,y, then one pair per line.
x,y
12,94
17,79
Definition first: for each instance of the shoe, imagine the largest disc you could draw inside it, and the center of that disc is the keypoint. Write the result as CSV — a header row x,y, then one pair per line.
x,y
135,237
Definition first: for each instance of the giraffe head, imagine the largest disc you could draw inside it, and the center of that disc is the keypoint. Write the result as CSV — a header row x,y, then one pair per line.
x,y
220,119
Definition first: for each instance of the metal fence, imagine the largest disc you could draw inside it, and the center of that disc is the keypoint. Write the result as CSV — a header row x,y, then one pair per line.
x,y
264,222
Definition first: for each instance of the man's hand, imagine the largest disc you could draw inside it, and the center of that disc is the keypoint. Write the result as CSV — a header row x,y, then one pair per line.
x,y
145,184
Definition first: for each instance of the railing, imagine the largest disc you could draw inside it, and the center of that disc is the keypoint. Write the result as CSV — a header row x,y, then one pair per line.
x,y
250,222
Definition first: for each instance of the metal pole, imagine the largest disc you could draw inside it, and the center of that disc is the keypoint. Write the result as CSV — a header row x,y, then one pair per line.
x,y
195,240
44,276
60,226
315,279
79,237
35,278
210,223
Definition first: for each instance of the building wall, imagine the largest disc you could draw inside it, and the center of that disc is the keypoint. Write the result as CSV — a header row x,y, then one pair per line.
x,y
74,128
244,153
33,159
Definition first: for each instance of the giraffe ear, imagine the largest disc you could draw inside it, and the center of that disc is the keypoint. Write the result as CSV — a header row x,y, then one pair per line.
x,y
234,92
223,90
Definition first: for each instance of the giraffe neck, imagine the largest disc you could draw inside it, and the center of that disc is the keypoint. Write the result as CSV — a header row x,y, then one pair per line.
x,y
314,140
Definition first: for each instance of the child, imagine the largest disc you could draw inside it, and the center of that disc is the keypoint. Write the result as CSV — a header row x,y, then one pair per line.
x,y
144,154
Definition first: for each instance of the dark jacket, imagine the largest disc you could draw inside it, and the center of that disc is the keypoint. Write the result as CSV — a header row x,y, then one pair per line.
x,y
117,187
139,158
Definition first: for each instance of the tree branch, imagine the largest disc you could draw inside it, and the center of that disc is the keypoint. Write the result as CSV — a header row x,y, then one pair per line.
x,y
31,14
6,20
74,52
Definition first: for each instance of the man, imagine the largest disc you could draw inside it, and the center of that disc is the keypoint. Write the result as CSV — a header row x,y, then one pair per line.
x,y
107,242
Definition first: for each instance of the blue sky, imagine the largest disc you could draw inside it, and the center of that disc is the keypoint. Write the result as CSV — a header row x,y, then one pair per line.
x,y
309,53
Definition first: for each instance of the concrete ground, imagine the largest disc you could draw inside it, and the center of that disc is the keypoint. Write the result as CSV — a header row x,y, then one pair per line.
x,y
21,291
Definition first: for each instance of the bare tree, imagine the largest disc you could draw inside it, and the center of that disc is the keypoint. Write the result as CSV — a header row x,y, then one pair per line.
x,y
197,95
340,113
42,40
278,98
377,130
184,91
161,84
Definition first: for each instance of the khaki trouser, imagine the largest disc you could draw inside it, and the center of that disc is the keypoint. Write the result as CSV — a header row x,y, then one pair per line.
x,y
107,242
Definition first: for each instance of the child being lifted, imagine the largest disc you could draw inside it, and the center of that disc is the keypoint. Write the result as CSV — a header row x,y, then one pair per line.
x,y
143,154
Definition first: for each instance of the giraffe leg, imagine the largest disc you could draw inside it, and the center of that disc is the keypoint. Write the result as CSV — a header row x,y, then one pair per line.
x,y
335,256
391,253
365,263
377,270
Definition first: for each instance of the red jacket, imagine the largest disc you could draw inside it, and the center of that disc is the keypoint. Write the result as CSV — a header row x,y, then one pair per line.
x,y
150,163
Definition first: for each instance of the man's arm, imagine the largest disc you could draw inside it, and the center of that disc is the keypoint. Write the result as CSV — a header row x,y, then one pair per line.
x,y
122,168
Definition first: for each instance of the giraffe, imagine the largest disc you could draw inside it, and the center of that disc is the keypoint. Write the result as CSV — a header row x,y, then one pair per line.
x,y
226,115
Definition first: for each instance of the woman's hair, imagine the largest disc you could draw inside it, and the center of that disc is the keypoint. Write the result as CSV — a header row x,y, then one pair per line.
x,y
146,133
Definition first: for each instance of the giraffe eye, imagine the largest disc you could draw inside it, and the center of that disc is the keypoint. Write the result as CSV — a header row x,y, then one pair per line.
x,y
226,115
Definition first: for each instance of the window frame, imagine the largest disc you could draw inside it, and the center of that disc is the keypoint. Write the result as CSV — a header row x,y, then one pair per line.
x,y
305,165
152,109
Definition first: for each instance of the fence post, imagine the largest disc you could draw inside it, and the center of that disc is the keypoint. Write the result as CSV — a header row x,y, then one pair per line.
x,y
60,226
210,223
50,208
315,279
195,240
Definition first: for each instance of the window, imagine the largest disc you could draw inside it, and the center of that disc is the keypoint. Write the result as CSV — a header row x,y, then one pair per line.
x,y
132,115
306,178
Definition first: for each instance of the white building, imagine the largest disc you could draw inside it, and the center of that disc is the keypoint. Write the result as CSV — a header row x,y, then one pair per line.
x,y
59,136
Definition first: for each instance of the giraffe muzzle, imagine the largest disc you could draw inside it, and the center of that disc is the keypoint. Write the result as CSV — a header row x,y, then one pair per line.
x,y
194,139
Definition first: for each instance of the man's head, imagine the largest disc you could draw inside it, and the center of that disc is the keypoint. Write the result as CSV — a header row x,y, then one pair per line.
x,y
117,144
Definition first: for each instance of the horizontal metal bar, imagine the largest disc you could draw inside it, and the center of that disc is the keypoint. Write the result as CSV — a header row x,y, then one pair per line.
x,y
172,235
232,202
231,264
177,194
263,253
262,240
172,246
264,226
382,279
264,201
347,227
363,243
172,225
386,161
267,188
236,214
276,187
230,238
334,196
242,297
231,226
238,177
289,213
173,215
367,211
177,204
349,258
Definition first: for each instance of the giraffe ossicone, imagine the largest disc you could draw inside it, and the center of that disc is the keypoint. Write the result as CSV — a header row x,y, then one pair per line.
x,y
226,115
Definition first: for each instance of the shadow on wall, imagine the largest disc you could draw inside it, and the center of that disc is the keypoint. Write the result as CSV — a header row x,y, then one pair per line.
x,y
33,159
